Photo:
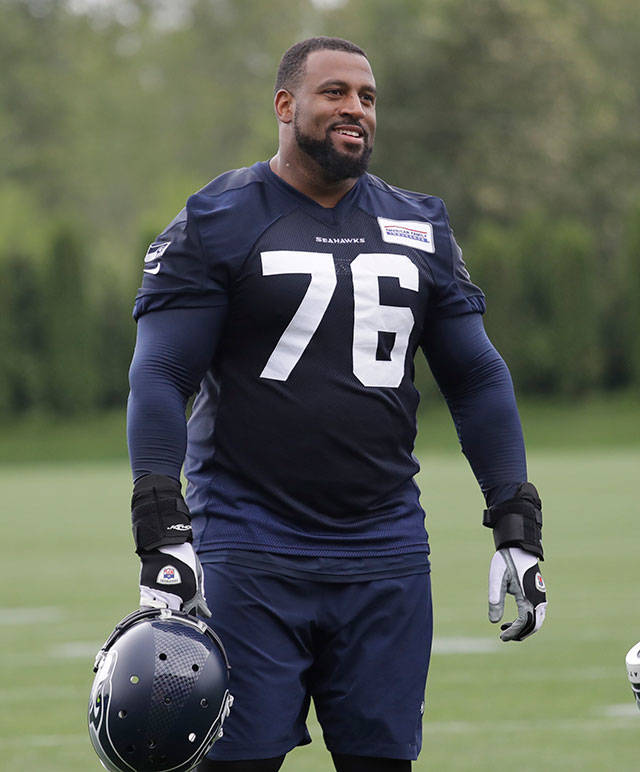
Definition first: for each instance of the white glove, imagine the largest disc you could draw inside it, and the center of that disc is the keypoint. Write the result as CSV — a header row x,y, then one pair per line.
x,y
172,577
515,571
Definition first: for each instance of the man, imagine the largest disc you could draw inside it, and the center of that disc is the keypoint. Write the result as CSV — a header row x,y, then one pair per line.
x,y
292,296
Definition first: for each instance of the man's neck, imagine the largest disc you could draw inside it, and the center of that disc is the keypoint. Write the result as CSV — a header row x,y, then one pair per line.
x,y
310,181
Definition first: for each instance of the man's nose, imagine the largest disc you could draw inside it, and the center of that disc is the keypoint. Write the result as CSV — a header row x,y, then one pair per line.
x,y
352,105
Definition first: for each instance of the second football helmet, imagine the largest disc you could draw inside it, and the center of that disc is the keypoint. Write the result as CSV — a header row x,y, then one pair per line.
x,y
160,694
633,670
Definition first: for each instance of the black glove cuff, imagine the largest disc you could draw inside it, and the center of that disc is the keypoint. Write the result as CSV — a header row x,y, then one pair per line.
x,y
517,522
159,515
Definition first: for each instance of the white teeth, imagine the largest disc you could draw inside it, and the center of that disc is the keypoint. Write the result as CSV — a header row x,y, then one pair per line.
x,y
348,133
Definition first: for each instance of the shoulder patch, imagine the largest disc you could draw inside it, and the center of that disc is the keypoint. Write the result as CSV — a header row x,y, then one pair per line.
x,y
410,233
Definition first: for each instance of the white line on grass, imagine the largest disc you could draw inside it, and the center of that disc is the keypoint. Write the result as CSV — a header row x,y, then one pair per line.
x,y
43,740
548,725
454,645
30,616
622,711
70,650
462,645
570,675
38,693
75,650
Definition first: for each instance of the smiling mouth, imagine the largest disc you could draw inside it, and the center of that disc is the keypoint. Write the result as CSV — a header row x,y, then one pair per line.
x,y
353,132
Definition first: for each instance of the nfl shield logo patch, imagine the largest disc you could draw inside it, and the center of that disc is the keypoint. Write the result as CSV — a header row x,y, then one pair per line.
x,y
169,575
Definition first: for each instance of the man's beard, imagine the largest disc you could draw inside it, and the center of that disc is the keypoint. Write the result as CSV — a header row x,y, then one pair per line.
x,y
336,166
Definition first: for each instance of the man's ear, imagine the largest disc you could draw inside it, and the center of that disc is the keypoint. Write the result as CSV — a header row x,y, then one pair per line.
x,y
283,104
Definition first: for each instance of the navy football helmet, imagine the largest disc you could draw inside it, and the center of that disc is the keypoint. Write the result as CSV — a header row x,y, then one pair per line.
x,y
160,694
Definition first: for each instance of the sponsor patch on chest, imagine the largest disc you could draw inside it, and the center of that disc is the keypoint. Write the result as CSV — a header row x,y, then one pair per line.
x,y
410,233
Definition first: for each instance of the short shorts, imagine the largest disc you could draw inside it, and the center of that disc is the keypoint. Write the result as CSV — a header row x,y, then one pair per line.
x,y
360,650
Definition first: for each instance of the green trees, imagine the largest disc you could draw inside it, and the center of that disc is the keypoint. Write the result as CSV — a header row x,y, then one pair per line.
x,y
66,336
545,312
523,117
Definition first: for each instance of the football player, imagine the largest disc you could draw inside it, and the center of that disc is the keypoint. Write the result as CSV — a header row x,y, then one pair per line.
x,y
292,297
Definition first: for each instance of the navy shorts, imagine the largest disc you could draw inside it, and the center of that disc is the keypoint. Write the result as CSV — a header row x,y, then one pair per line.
x,y
359,649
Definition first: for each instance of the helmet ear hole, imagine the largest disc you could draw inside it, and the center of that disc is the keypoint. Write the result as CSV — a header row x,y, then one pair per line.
x,y
172,717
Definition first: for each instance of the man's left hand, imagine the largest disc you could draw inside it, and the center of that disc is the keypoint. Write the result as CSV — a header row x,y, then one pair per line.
x,y
516,572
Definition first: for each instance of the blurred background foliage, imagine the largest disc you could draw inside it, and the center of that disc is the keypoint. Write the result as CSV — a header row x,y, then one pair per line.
x,y
523,116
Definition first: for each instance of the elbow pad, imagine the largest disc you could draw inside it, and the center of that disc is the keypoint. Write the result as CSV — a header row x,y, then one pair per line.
x,y
517,522
159,514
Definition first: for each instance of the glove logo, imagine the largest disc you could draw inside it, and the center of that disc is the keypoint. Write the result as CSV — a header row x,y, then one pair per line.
x,y
540,582
169,575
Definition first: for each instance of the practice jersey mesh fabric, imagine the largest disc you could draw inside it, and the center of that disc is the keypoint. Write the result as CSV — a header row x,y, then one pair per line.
x,y
301,435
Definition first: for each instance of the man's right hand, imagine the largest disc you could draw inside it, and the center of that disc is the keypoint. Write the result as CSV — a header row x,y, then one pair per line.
x,y
171,577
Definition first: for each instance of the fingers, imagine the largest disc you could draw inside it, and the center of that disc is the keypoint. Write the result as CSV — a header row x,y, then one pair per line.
x,y
514,571
498,580
197,606
520,628
496,611
150,596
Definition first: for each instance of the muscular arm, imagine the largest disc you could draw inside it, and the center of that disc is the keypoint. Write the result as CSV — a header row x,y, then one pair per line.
x,y
174,349
478,389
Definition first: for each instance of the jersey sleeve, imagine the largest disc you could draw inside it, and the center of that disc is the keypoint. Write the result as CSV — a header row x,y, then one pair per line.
x,y
177,273
477,386
455,293
173,350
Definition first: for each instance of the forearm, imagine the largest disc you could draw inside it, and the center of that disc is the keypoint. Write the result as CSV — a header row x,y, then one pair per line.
x,y
489,429
174,348
156,430
478,389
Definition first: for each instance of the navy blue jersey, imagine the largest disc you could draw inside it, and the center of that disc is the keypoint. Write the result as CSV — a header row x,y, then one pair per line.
x,y
301,436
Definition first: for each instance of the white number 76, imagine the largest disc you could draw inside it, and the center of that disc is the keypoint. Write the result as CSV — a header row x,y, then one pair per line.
x,y
369,317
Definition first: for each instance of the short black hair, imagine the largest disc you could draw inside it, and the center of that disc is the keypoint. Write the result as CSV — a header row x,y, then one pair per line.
x,y
292,64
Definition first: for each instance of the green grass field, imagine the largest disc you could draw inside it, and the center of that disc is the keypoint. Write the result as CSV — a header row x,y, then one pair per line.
x,y
559,701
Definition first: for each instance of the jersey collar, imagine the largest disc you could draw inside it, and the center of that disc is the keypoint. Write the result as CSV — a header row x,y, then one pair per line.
x,y
328,215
